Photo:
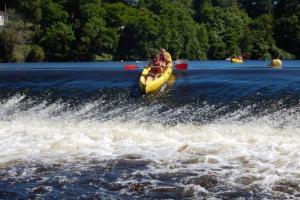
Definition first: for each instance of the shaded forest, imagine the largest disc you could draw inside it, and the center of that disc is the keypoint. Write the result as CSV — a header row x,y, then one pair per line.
x,y
98,30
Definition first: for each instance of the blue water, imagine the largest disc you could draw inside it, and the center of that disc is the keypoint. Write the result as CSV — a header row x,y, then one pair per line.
x,y
85,130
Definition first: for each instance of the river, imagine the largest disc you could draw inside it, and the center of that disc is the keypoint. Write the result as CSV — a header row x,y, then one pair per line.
x,y
84,130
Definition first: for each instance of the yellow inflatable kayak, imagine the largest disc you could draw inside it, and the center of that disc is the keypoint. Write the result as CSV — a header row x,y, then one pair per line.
x,y
235,60
276,63
148,86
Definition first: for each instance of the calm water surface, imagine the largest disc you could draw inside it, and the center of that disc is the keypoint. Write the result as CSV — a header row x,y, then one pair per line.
x,y
84,130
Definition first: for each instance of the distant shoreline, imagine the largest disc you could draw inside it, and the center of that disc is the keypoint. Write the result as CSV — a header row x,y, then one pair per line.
x,y
136,61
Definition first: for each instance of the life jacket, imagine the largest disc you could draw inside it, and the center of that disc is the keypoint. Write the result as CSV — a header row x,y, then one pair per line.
x,y
167,59
156,62
162,58
155,69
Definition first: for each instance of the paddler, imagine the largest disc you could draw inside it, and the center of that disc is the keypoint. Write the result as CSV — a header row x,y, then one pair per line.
x,y
165,58
156,67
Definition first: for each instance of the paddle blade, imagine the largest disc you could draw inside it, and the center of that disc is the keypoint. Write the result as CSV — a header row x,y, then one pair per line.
x,y
130,67
181,64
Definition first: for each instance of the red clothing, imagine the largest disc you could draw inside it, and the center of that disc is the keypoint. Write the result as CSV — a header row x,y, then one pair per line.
x,y
155,69
156,62
162,58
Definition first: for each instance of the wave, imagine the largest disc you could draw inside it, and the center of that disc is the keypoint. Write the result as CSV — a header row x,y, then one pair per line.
x,y
235,146
106,130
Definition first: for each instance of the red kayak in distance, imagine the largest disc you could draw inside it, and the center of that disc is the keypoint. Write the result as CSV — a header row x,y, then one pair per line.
x,y
181,64
130,67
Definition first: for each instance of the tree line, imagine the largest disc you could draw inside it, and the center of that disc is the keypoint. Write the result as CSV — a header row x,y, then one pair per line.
x,y
85,30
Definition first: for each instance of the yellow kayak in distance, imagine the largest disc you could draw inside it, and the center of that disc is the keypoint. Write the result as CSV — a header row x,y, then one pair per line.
x,y
276,63
148,86
236,60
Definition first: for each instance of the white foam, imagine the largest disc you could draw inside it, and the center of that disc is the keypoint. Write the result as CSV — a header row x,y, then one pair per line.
x,y
236,149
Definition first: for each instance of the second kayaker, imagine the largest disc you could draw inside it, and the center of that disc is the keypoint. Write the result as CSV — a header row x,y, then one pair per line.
x,y
166,58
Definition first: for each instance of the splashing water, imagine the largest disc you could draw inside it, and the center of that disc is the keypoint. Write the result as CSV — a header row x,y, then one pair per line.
x,y
62,142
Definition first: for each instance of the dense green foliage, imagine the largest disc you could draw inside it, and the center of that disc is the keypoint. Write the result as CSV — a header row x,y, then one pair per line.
x,y
63,30
6,45
287,26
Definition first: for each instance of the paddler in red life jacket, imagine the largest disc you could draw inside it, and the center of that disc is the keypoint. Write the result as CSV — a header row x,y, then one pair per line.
x,y
165,58
156,68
